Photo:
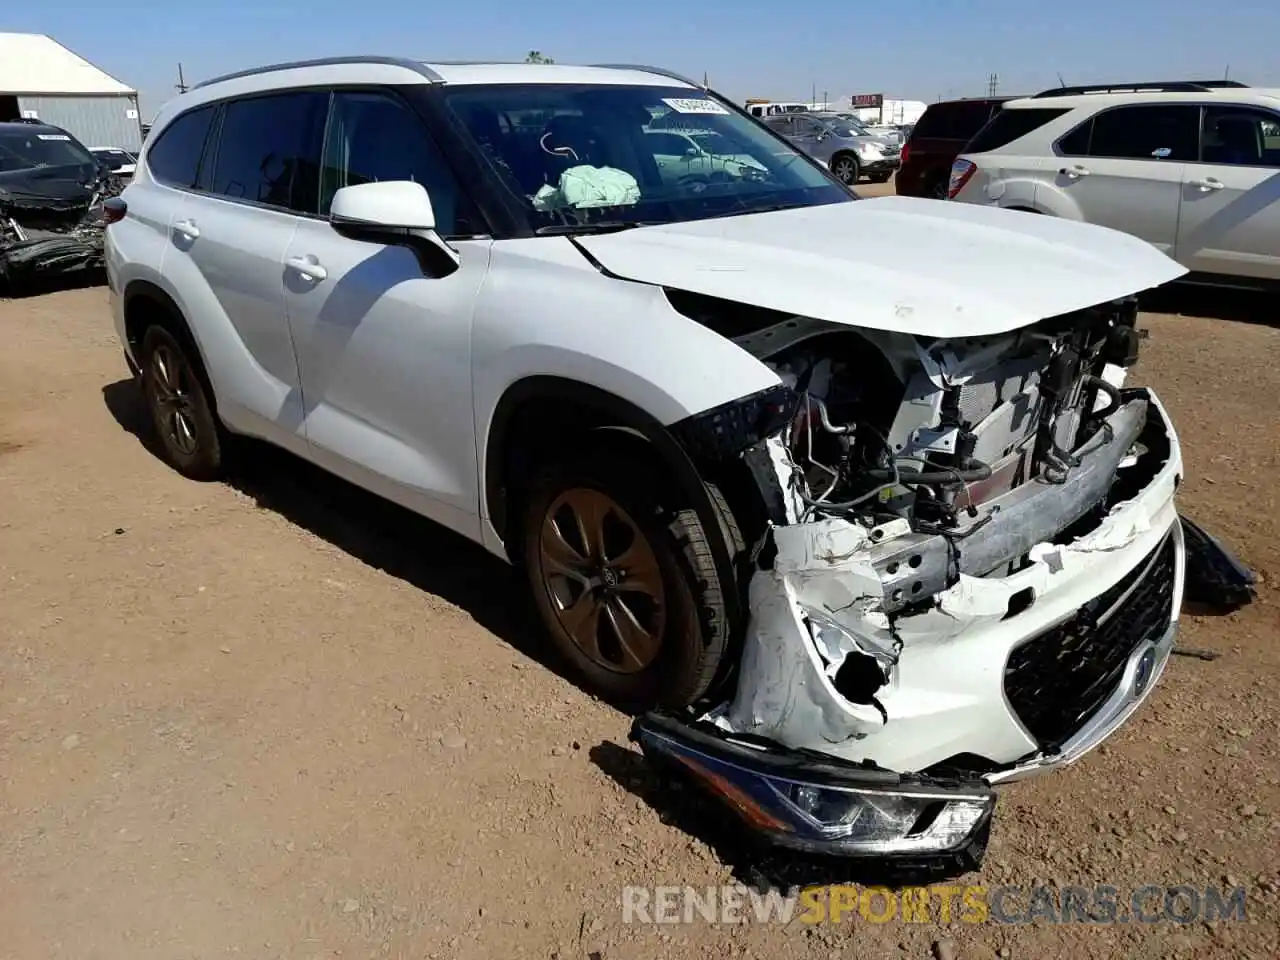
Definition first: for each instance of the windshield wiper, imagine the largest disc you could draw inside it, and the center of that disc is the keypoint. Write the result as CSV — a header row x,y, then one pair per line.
x,y
599,226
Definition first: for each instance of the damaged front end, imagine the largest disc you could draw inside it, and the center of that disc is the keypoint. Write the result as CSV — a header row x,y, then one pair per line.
x,y
49,234
971,572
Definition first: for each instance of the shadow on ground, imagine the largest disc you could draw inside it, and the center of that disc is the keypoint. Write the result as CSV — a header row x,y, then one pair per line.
x,y
1215,303
53,283
687,808
371,529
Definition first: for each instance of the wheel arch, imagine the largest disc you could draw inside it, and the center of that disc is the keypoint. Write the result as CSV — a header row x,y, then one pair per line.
x,y
544,410
146,304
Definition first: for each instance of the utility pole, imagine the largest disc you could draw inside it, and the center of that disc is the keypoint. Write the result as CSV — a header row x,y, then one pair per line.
x,y
182,83
993,84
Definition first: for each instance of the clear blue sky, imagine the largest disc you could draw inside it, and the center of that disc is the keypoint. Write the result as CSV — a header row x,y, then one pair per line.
x,y
918,49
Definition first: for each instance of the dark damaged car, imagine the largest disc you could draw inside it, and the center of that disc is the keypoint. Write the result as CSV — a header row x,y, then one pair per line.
x,y
51,194
855,489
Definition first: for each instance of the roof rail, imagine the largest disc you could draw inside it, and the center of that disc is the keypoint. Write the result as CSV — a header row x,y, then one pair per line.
x,y
660,71
1169,86
417,66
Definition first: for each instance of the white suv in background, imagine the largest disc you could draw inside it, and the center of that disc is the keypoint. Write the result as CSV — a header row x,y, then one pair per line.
x,y
1191,167
912,541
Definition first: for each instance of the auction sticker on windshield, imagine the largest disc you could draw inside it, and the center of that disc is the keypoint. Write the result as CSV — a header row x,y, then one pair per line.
x,y
52,136
694,105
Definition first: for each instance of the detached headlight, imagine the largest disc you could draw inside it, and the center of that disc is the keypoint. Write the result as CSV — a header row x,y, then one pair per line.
x,y
808,802
881,821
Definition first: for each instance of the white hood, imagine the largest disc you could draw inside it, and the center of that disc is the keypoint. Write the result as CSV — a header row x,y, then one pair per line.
x,y
926,267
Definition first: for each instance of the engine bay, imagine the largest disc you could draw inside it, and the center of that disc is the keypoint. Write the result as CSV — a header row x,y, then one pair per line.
x,y
892,427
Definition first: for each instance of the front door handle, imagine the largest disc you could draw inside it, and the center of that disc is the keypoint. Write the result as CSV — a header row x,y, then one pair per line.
x,y
1074,172
308,267
187,228
1209,183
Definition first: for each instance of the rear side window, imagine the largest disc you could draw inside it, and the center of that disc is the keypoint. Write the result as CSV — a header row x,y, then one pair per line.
x,y
269,150
1010,125
174,158
1146,132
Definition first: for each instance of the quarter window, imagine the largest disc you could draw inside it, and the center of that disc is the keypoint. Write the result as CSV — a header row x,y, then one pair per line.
x,y
174,158
1010,125
269,150
374,137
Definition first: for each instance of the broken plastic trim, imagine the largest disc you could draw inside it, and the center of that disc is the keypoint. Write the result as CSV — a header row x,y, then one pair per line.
x,y
1214,577
730,428
817,805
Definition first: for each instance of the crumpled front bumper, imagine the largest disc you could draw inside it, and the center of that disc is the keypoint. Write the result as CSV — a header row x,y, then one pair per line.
x,y
969,684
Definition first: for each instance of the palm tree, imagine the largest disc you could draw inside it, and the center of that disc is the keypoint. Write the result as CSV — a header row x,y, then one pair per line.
x,y
537,56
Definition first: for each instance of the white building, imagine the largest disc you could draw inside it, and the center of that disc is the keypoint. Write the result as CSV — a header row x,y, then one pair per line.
x,y
43,80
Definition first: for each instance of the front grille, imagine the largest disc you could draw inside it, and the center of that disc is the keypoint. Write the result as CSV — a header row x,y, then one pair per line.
x,y
1059,679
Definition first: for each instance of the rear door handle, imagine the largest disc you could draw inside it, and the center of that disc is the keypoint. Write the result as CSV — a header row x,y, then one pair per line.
x,y
1074,172
308,267
187,228
1209,183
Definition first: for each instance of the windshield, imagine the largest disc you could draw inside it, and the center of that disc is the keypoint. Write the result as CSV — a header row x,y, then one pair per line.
x,y
858,127
844,128
582,155
23,149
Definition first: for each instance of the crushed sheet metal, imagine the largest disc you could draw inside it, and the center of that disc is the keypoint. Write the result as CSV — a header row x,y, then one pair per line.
x,y
785,690
28,256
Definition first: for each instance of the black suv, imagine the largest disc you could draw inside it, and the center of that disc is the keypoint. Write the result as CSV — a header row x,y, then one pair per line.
x,y
50,185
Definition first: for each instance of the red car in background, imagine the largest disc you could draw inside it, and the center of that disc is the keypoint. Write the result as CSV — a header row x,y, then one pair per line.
x,y
940,135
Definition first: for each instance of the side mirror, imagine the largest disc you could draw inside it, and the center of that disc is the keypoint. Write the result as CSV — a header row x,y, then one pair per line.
x,y
391,205
394,212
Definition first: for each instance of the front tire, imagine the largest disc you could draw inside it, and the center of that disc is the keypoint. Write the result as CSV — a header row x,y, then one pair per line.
x,y
626,585
178,401
880,177
845,168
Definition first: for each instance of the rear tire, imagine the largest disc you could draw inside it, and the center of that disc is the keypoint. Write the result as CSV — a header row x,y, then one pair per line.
x,y
178,400
635,607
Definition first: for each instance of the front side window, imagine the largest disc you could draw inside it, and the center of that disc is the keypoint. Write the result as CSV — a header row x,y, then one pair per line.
x,y
269,150
1146,132
576,155
374,137
1240,136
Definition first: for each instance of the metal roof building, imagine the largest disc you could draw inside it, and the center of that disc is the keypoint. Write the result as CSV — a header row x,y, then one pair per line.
x,y
41,79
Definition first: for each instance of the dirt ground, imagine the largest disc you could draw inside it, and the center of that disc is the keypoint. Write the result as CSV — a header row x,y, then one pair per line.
x,y
278,719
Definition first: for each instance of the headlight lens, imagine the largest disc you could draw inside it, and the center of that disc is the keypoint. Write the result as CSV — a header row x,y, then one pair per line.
x,y
880,822
868,152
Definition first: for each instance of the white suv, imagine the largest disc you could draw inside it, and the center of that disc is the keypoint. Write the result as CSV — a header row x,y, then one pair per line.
x,y
917,529
1191,167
